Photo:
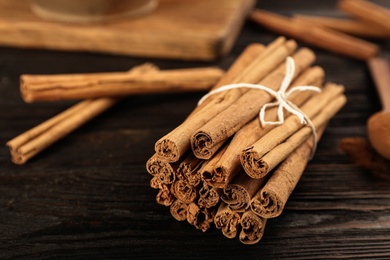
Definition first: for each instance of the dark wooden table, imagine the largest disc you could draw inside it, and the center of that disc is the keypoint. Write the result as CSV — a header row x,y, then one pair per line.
x,y
88,196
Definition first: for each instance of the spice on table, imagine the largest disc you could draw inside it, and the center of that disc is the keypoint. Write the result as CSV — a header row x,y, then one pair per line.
x,y
116,84
355,27
369,12
225,199
317,36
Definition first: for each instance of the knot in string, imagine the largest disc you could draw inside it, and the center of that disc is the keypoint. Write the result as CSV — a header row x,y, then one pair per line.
x,y
281,97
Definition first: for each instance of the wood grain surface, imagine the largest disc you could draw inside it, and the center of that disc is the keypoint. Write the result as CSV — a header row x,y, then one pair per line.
x,y
88,196
185,29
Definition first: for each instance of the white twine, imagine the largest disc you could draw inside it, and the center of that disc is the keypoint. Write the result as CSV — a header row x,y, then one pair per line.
x,y
281,97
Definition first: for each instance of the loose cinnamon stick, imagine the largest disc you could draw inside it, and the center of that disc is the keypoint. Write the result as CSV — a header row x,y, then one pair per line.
x,y
178,210
237,195
209,138
177,142
350,26
367,11
330,40
227,220
270,200
260,167
201,218
30,143
119,84
229,164
252,228
251,156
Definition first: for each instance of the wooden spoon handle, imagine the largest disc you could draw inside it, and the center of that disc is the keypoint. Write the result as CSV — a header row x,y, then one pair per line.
x,y
380,72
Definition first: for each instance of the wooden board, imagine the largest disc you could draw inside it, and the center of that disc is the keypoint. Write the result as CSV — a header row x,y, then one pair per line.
x,y
186,29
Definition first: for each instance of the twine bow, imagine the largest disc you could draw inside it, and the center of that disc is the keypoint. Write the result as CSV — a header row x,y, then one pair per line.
x,y
281,97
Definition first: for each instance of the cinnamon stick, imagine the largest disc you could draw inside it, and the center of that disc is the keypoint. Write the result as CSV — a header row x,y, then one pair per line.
x,y
178,210
324,38
188,170
270,200
165,196
201,218
116,84
252,228
227,220
184,191
238,193
209,138
355,27
30,143
367,11
229,164
177,142
209,196
258,168
251,157
162,171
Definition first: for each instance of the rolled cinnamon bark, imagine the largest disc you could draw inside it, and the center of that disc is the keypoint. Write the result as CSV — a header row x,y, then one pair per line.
x,y
237,194
164,196
201,218
178,210
270,200
227,220
43,88
252,228
251,158
354,27
209,196
270,160
184,191
318,36
177,142
367,11
229,165
188,170
162,171
30,143
209,138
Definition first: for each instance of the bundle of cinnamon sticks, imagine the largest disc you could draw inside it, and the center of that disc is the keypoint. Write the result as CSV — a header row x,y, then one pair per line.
x,y
222,167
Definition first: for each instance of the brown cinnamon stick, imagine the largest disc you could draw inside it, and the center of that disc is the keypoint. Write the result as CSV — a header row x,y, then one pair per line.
x,y
209,196
209,138
355,27
261,167
229,164
367,11
177,142
325,38
252,228
178,210
201,218
30,143
165,196
252,156
116,84
162,171
188,170
184,191
270,200
238,193
227,220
